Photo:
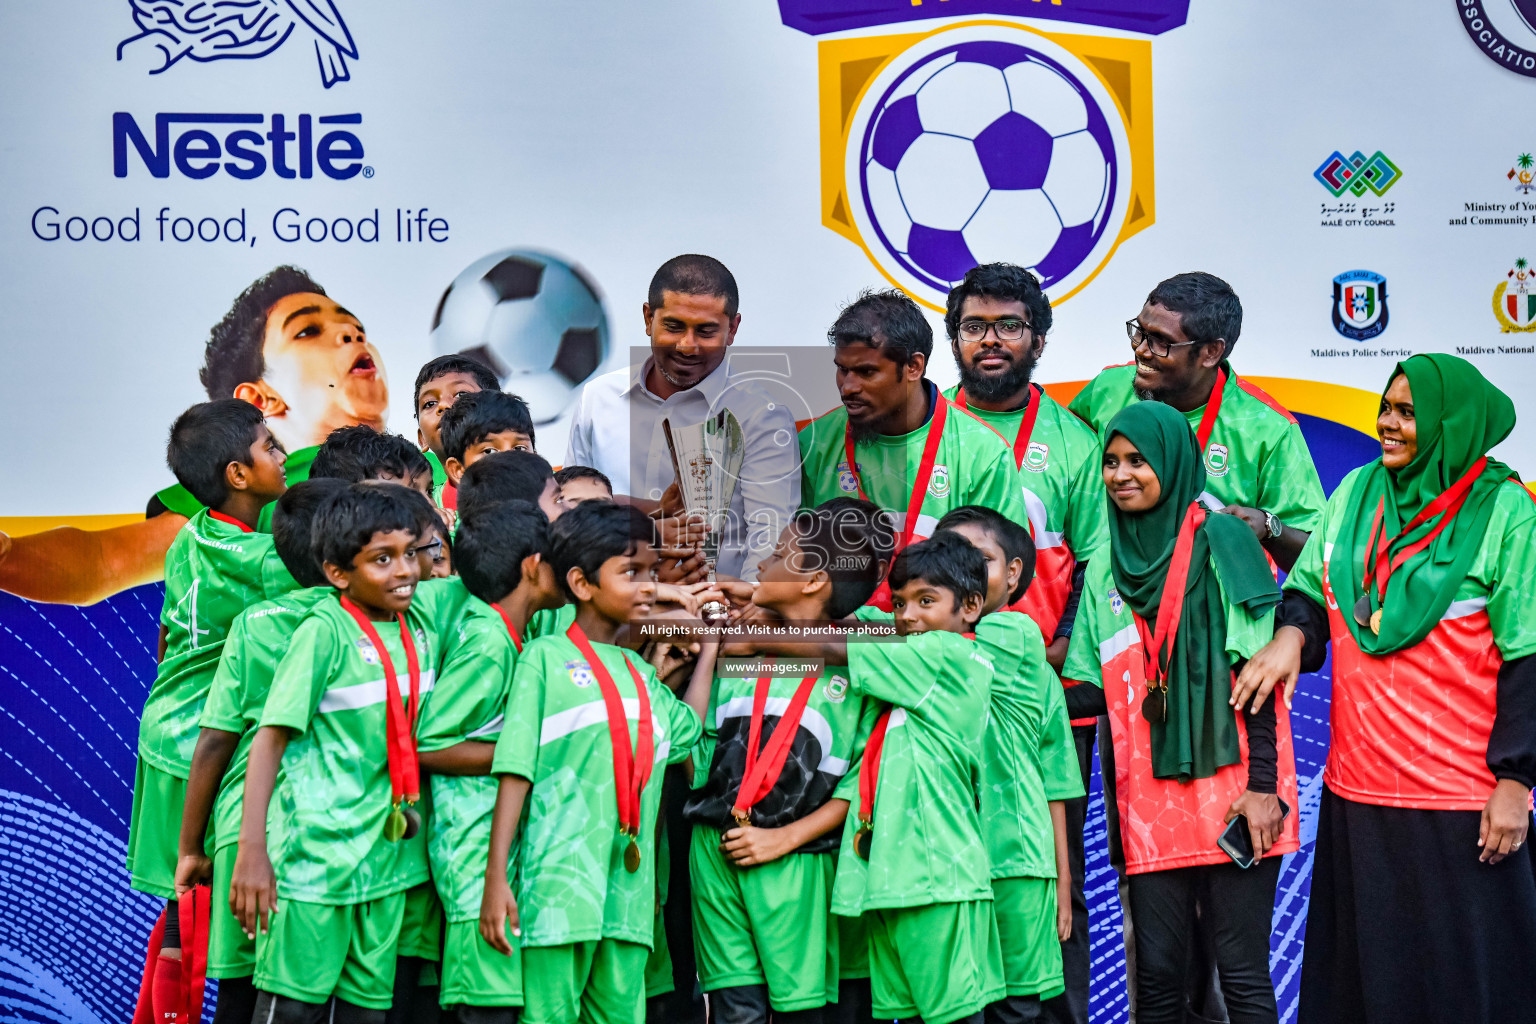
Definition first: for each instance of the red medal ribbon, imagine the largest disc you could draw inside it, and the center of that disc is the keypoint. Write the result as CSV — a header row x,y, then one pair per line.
x,y
1157,648
1212,409
517,638
231,520
1026,425
400,721
1449,503
762,772
869,773
631,771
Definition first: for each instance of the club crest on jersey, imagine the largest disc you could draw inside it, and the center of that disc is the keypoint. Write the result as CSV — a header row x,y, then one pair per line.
x,y
1115,604
580,673
1036,457
836,689
845,478
1216,460
938,483
366,649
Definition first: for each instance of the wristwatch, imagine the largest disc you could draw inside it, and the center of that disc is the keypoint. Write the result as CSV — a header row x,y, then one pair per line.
x,y
1273,524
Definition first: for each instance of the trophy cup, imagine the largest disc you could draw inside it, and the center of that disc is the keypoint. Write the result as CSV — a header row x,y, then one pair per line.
x,y
707,460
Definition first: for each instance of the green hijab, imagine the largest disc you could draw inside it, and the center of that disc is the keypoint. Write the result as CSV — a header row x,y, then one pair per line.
x,y
1199,734
1459,416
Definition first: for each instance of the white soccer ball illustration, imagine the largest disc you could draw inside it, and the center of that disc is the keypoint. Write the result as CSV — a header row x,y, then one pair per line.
x,y
986,150
537,320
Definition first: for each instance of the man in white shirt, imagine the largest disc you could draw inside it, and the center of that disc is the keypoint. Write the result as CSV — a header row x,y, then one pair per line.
x,y
691,318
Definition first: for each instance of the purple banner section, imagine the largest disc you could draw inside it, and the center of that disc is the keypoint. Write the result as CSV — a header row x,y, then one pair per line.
x,y
818,17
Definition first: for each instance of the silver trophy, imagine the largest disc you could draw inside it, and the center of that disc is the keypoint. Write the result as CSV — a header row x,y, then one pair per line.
x,y
706,457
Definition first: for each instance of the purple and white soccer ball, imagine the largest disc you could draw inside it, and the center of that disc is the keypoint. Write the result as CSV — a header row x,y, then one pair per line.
x,y
984,144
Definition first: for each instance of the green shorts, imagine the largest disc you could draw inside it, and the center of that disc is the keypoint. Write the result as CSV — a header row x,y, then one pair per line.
x,y
597,982
154,830
1026,928
231,953
940,962
312,951
421,930
474,974
658,967
770,925
852,947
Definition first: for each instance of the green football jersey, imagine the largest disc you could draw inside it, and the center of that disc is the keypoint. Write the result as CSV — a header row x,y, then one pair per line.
x,y
1015,812
972,467
551,622
927,846
256,643
1256,456
468,703
326,838
572,886
213,571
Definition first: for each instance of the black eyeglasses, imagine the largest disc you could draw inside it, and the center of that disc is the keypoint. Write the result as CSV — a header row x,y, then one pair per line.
x,y
1156,343
433,548
1006,330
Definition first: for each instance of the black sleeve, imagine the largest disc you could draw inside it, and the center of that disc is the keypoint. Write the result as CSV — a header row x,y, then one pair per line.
x,y
1299,610
154,507
1069,613
1085,700
1512,743
1263,759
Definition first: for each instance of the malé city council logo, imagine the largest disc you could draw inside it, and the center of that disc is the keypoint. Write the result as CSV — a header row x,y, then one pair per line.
x,y
1356,173
1359,304
1514,303
209,30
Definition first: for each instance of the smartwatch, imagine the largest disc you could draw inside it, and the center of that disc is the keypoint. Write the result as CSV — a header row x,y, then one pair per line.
x,y
1273,523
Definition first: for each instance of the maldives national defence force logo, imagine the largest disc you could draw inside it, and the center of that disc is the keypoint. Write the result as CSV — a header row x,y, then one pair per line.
x,y
1359,304
1514,301
210,30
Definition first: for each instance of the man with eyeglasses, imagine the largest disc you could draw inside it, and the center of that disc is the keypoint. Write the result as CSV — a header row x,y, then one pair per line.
x,y
1257,464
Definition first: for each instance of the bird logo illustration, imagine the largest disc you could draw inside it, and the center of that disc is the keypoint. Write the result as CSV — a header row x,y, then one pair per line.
x,y
208,30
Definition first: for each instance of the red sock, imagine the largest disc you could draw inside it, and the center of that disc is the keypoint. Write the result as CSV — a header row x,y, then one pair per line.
x,y
143,1013
168,997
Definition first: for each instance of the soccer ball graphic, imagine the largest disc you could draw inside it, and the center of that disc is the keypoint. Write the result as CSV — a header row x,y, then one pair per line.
x,y
986,144
535,319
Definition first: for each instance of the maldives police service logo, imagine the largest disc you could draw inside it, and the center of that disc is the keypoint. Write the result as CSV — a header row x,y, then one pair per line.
x,y
209,30
989,142
1505,30
1359,304
1514,300
580,673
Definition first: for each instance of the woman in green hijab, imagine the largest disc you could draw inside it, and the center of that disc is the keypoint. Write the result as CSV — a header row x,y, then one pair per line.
x,y
1182,598
1423,578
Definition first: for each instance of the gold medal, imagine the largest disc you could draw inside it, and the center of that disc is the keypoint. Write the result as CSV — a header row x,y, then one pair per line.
x,y
632,856
1375,622
395,825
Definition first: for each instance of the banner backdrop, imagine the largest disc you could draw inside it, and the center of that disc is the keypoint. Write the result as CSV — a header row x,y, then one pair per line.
x,y
503,178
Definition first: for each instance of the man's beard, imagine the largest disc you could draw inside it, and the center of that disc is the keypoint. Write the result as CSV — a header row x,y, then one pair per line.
x,y
993,388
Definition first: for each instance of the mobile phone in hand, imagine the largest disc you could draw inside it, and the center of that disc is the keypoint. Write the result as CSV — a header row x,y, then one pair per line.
x,y
1237,843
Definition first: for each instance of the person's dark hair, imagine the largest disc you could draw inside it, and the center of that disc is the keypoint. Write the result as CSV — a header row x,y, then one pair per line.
x,y
1010,536
428,518
1208,308
568,473
205,440
1002,281
947,561
504,476
846,538
359,453
888,320
491,545
346,525
475,416
442,366
293,526
692,274
593,532
233,354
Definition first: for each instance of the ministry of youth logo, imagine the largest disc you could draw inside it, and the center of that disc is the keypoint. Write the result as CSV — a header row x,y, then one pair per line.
x,y
1359,304
209,30
984,143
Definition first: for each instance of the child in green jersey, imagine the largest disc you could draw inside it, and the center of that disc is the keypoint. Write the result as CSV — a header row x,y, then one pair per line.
x,y
1028,770
439,383
584,907
348,860
913,860
223,453
503,562
217,777
504,476
360,453
483,423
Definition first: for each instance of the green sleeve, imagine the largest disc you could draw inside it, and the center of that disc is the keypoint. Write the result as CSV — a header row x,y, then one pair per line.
x,y
848,786
1082,404
1246,632
1002,489
902,673
1082,662
1087,525
225,706
312,661
1058,754
683,726
550,622
472,667
704,750
1306,576
178,499
1288,483
517,751
1511,610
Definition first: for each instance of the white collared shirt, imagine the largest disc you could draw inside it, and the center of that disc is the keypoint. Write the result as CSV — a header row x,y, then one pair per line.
x,y
616,429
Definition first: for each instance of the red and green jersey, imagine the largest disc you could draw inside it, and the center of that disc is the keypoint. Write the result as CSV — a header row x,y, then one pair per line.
x,y
1165,823
972,466
1411,729
1256,456
214,570
572,884
1063,492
